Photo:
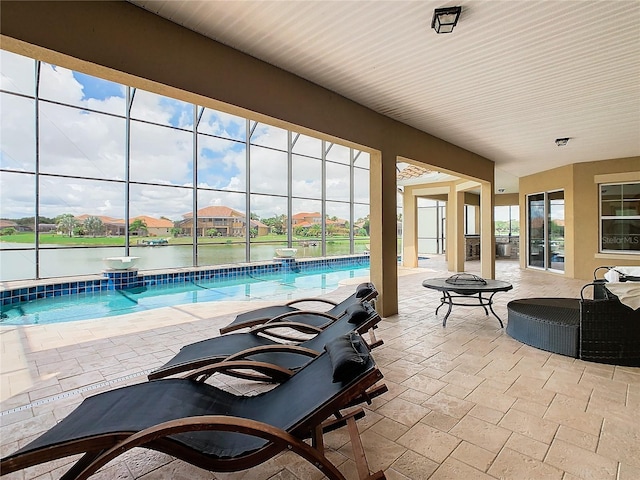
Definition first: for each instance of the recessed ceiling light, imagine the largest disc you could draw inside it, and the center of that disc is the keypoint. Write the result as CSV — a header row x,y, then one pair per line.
x,y
561,142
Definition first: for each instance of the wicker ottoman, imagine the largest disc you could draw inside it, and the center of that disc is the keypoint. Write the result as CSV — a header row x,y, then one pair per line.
x,y
551,324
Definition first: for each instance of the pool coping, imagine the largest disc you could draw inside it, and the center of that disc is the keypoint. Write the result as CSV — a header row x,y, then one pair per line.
x,y
109,280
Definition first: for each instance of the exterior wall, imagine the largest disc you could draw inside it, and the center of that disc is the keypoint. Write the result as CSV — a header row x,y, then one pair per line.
x,y
226,226
262,230
163,57
159,231
304,219
582,212
587,213
507,199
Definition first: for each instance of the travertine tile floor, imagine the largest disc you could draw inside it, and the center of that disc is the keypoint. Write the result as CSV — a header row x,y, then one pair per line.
x,y
464,402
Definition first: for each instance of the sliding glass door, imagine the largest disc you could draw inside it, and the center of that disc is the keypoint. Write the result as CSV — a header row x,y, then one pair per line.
x,y
555,221
536,224
545,224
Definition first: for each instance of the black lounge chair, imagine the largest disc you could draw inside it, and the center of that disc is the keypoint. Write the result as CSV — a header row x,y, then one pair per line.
x,y
214,429
364,292
255,347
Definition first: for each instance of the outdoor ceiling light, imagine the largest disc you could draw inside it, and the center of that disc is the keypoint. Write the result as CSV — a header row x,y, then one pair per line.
x,y
444,19
561,142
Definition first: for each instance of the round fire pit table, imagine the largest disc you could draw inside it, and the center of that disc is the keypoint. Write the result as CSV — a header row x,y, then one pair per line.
x,y
467,292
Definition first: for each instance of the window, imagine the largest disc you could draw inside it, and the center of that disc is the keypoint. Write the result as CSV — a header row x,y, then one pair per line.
x,y
116,170
431,226
470,220
507,220
620,217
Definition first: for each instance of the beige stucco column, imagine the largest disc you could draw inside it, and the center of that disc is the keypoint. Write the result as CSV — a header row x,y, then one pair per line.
x,y
455,230
487,232
384,234
409,228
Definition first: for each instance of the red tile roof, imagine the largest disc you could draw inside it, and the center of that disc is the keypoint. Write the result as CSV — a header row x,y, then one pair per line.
x,y
152,222
215,211
104,218
306,215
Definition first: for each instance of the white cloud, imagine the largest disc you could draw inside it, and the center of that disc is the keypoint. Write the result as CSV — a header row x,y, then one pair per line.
x,y
16,195
58,83
17,73
17,135
79,196
73,142
76,142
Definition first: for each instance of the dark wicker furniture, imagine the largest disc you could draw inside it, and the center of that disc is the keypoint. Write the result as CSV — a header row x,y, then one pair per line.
x,y
550,324
609,331
601,330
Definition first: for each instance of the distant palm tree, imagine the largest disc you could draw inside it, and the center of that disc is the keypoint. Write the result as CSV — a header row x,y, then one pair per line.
x,y
314,230
66,223
138,226
93,226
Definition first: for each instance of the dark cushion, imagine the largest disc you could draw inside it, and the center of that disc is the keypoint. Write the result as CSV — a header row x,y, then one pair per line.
x,y
348,355
363,290
356,314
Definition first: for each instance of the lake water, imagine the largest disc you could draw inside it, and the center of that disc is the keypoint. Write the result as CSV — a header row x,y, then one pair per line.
x,y
60,262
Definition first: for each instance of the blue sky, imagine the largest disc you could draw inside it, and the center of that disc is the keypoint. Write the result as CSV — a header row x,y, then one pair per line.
x,y
97,88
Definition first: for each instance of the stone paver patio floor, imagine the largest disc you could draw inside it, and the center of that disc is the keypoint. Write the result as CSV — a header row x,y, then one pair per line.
x,y
464,401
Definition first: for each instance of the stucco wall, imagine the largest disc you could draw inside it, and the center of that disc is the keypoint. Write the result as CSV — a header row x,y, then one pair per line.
x,y
507,199
581,211
587,213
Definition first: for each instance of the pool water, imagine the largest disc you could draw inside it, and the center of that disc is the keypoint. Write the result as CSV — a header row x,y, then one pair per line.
x,y
272,287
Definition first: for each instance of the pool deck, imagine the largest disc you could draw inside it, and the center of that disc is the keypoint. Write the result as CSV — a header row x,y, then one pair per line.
x,y
464,401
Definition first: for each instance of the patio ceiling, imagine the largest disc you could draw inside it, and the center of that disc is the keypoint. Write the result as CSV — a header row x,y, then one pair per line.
x,y
510,79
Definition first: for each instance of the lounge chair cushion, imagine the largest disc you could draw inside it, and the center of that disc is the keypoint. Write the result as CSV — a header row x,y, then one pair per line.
x,y
357,314
364,289
348,356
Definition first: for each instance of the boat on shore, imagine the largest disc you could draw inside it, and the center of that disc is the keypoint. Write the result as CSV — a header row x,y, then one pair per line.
x,y
155,242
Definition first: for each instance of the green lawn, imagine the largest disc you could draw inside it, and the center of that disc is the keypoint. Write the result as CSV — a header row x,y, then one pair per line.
x,y
54,239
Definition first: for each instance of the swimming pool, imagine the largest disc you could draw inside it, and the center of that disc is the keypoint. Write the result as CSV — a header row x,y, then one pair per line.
x,y
98,304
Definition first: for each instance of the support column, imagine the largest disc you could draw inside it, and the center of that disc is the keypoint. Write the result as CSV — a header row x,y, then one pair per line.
x,y
455,230
383,225
409,228
487,233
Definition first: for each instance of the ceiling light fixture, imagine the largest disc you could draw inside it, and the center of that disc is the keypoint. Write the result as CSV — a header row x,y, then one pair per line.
x,y
444,19
561,142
